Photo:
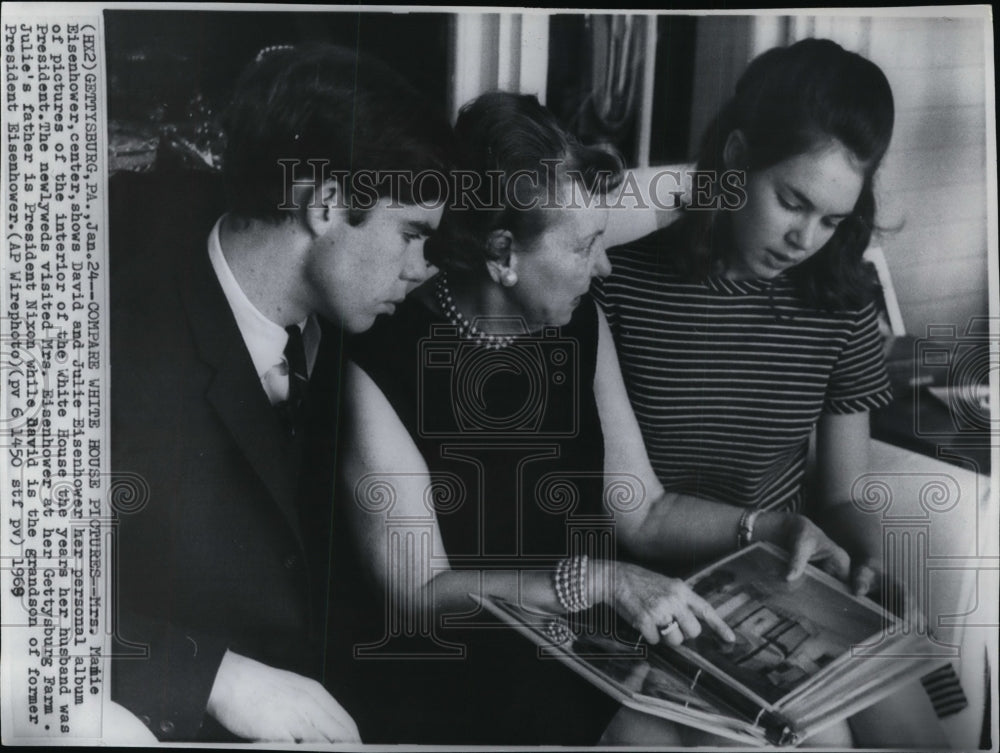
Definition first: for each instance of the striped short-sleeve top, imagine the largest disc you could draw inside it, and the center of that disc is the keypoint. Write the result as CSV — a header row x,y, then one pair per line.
x,y
729,377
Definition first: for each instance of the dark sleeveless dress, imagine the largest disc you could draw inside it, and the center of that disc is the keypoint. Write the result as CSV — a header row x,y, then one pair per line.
x,y
513,442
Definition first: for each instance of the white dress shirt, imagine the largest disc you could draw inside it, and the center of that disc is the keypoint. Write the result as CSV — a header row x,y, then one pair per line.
x,y
265,340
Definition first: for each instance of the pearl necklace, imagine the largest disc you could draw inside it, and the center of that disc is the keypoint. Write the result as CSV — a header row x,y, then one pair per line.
x,y
466,329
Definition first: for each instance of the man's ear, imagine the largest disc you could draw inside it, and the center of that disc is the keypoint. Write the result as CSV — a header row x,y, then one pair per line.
x,y
736,153
499,256
320,209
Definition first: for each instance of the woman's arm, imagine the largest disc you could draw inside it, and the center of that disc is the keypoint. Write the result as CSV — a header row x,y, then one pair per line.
x,y
380,451
677,527
381,463
842,451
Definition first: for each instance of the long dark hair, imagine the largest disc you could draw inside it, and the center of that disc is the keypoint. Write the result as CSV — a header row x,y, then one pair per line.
x,y
788,101
505,135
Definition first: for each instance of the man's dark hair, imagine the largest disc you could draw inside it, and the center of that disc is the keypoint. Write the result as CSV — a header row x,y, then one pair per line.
x,y
789,101
324,102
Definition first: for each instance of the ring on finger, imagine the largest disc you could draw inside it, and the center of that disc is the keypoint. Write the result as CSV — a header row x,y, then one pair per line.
x,y
670,627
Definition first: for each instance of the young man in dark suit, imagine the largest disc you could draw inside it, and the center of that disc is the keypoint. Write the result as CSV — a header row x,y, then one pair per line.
x,y
226,353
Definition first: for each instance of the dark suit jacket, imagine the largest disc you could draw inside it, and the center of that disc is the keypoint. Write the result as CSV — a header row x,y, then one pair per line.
x,y
216,557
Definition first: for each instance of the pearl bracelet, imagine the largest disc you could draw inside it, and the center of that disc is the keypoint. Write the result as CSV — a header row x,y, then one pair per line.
x,y
570,581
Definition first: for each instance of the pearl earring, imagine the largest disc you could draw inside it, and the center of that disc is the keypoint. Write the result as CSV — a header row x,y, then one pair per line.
x,y
508,278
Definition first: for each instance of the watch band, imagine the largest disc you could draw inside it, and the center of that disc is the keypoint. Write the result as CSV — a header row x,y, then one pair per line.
x,y
745,533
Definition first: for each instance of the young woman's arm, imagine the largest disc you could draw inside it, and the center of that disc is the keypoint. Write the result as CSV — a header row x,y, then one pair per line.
x,y
388,477
664,526
842,450
842,446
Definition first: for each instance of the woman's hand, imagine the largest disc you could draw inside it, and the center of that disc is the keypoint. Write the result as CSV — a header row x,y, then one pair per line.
x,y
805,542
652,603
868,578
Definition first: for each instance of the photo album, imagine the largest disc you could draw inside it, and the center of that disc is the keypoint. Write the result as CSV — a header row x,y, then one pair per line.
x,y
807,653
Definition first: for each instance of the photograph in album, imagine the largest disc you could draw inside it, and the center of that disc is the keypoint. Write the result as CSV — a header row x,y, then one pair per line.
x,y
787,632
807,653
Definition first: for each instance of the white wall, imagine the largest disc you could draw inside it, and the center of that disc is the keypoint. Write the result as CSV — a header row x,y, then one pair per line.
x,y
508,51
934,177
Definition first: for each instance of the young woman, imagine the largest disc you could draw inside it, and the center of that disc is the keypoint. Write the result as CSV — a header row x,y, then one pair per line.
x,y
744,330
490,439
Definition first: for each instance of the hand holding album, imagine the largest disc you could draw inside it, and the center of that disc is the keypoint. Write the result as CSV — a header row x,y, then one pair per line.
x,y
807,543
261,703
888,590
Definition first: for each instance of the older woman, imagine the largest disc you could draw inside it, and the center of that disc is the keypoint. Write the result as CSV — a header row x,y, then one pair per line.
x,y
490,429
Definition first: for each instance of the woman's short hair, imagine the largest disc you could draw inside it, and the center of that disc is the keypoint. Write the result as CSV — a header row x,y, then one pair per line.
x,y
515,163
789,101
337,106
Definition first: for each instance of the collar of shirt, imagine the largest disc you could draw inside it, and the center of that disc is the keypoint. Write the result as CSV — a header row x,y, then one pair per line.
x,y
265,340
